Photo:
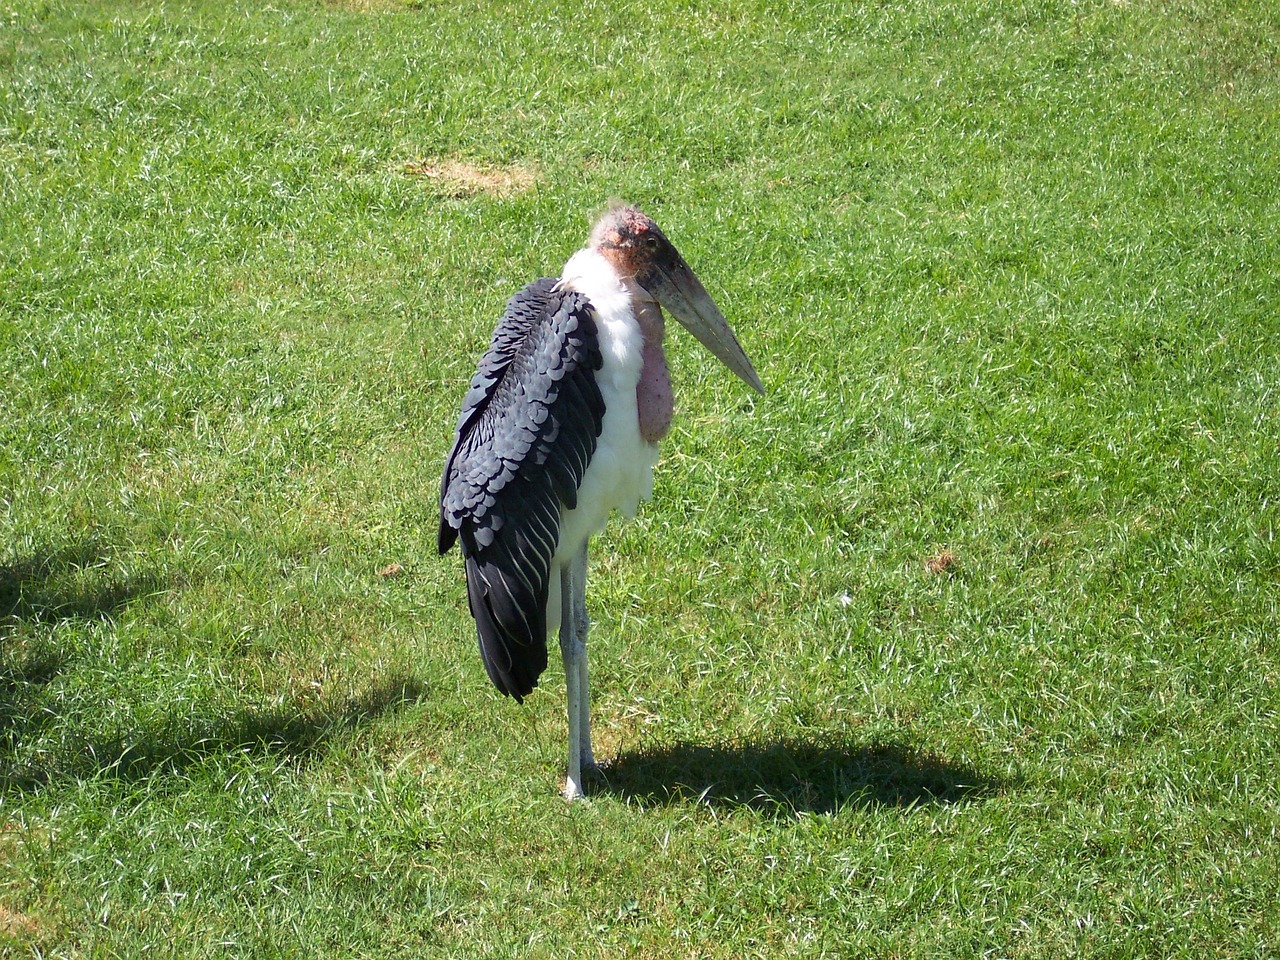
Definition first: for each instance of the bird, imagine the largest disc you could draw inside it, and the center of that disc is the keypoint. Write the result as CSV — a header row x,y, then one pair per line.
x,y
560,428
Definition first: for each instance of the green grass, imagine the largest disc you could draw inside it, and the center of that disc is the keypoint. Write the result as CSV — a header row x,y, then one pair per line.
x,y
1009,272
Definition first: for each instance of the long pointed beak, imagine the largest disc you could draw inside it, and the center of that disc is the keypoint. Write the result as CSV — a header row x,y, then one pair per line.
x,y
682,294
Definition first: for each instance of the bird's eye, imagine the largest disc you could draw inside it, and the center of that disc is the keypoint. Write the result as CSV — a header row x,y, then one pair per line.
x,y
651,240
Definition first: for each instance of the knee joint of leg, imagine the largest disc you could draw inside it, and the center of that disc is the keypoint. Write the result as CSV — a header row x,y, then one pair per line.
x,y
572,646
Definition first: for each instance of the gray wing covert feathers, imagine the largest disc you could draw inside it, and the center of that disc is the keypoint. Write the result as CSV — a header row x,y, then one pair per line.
x,y
527,431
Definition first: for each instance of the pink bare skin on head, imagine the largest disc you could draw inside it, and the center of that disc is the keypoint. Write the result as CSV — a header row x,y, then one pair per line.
x,y
623,236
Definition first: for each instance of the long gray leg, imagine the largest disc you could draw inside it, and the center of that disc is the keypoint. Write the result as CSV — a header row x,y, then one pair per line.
x,y
574,653
581,624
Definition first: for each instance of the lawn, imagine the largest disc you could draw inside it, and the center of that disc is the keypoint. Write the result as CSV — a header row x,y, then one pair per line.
x,y
960,642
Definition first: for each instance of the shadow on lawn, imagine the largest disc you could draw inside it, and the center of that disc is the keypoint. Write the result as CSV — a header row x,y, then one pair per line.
x,y
80,583
793,776
75,582
38,593
287,731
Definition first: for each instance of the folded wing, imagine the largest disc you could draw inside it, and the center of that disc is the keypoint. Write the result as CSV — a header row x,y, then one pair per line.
x,y
527,431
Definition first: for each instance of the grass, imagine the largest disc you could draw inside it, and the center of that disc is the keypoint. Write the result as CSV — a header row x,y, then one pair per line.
x,y
960,642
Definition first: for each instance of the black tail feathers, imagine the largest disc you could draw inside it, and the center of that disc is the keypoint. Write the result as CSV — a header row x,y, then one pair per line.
x,y
511,625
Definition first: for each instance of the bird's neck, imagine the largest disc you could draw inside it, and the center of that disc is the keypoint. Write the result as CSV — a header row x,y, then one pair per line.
x,y
615,297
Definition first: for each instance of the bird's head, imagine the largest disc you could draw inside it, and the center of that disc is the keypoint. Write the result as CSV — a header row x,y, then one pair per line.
x,y
640,252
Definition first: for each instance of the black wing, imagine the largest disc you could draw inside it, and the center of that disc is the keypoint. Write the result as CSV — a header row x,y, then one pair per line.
x,y
528,429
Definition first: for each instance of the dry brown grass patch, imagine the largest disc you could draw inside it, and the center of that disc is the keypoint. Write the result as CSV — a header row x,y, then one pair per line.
x,y
459,178
370,6
941,562
16,924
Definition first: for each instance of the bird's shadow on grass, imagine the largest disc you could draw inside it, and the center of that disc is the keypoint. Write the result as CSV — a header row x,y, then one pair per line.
x,y
793,776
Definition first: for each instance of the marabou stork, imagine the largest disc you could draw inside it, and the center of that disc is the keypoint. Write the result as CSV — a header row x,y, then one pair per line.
x,y
561,427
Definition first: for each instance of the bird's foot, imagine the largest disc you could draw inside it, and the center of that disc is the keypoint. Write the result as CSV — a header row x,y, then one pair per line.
x,y
572,790
592,773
